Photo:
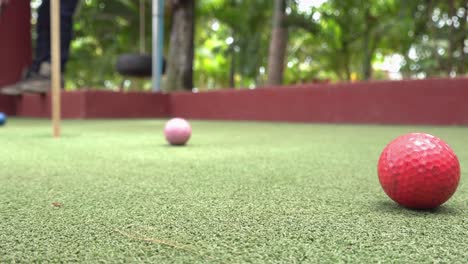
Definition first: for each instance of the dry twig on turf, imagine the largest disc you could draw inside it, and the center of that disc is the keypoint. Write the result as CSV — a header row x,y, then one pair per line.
x,y
160,242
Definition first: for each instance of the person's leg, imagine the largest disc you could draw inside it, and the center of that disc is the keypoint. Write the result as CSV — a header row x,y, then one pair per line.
x,y
37,78
43,36
39,81
67,9
42,54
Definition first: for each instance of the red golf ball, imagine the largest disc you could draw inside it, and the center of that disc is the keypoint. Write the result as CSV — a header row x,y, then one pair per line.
x,y
177,131
419,171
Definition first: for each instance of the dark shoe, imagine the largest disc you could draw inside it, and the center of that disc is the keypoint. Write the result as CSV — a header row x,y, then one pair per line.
x,y
32,82
15,89
11,90
37,82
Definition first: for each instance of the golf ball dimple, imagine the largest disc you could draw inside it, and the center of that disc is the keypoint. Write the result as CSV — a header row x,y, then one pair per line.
x,y
419,171
177,131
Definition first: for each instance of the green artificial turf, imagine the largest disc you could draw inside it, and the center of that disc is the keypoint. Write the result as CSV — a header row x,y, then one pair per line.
x,y
114,191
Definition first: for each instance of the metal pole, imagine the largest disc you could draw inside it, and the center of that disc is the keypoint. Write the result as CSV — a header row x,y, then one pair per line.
x,y
55,56
142,27
158,42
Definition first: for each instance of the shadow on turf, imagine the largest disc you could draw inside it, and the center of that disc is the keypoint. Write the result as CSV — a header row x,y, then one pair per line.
x,y
176,146
392,207
49,136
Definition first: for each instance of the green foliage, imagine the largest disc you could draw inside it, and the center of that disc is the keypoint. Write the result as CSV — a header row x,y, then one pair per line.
x,y
103,30
337,40
438,34
240,30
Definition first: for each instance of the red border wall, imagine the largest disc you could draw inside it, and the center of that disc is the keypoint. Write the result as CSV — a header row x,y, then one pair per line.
x,y
93,104
432,101
15,40
32,105
104,104
7,105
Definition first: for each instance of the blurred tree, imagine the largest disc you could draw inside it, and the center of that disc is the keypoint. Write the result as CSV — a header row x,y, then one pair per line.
x,y
330,40
278,44
181,46
234,36
103,30
353,31
438,38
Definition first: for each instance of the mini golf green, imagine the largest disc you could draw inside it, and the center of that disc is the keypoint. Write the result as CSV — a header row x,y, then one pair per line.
x,y
113,191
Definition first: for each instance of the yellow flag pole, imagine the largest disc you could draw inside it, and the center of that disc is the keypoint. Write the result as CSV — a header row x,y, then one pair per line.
x,y
56,72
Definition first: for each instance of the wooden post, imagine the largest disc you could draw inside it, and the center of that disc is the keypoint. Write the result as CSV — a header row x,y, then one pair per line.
x,y
56,72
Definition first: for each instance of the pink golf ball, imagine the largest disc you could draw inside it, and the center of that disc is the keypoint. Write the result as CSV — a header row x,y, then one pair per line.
x,y
177,131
